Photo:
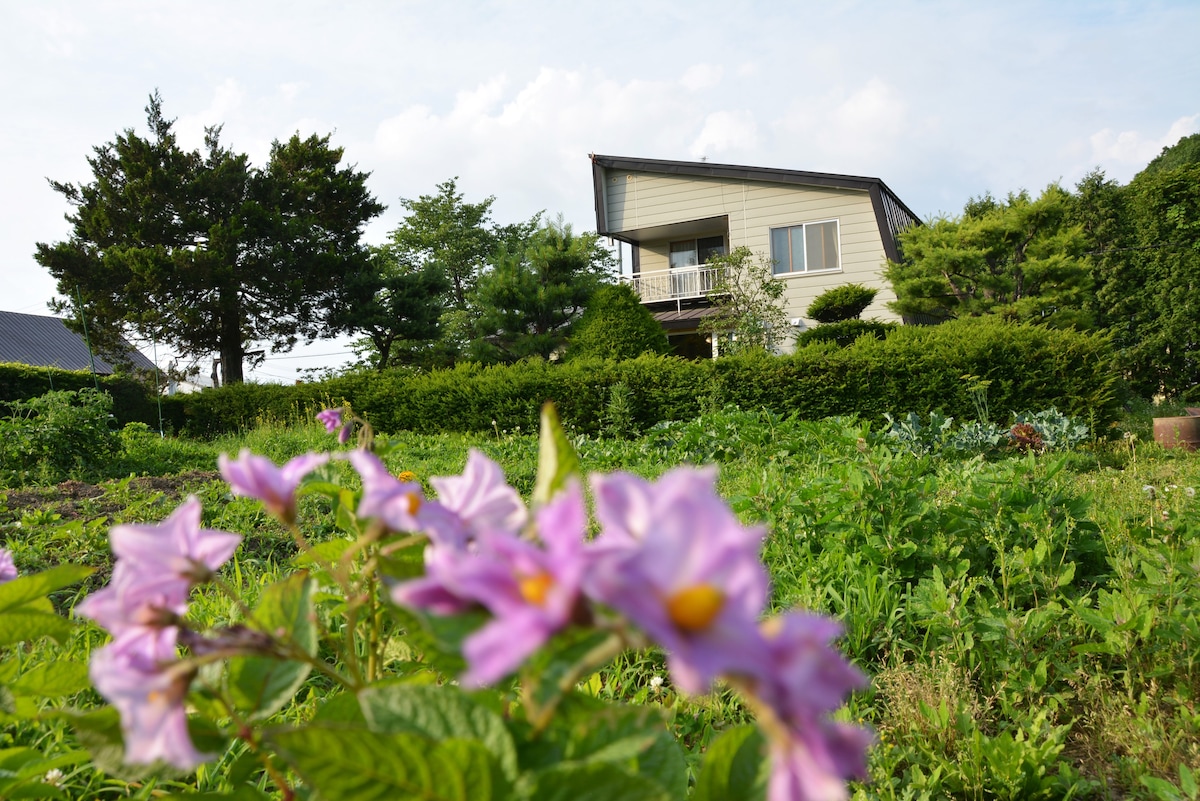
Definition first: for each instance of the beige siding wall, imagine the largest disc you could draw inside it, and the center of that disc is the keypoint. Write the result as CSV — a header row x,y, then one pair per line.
x,y
645,200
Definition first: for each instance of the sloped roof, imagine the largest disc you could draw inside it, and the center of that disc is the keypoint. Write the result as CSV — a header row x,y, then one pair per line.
x,y
891,214
45,341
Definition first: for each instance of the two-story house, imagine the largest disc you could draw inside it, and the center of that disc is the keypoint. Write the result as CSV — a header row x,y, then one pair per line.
x,y
818,230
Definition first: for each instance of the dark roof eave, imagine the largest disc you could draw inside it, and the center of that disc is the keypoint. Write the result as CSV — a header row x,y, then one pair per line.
x,y
881,195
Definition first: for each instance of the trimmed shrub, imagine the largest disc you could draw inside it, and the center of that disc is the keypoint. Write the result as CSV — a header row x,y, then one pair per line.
x,y
915,369
133,401
844,332
616,325
845,302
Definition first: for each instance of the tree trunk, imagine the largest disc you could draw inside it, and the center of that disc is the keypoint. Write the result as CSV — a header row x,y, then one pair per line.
x,y
232,350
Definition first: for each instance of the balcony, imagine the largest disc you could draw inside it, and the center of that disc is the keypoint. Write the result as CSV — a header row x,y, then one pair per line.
x,y
676,285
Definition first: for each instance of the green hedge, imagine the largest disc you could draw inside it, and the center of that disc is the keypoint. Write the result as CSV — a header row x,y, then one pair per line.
x,y
132,400
915,369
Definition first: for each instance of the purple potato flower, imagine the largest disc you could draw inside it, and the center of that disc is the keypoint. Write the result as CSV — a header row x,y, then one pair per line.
x,y
676,562
8,569
257,477
140,676
399,505
803,679
176,548
480,499
137,598
532,591
331,419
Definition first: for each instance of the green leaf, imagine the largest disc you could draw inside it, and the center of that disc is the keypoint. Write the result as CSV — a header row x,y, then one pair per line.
x,y
557,460
329,551
357,765
342,708
53,679
550,667
21,590
24,624
262,685
734,767
595,781
440,713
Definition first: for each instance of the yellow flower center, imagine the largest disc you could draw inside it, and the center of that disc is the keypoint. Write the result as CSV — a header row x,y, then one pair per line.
x,y
535,588
414,503
694,608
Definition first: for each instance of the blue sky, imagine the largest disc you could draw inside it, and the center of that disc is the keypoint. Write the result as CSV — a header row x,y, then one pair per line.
x,y
942,100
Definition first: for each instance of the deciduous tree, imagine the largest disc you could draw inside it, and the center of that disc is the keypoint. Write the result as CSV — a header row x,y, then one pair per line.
x,y
747,304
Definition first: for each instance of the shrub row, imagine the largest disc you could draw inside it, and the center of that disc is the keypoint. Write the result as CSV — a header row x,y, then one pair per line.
x,y
915,369
133,400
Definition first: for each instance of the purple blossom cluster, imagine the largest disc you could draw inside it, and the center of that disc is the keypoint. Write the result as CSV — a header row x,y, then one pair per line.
x,y
139,672
671,565
671,559
8,569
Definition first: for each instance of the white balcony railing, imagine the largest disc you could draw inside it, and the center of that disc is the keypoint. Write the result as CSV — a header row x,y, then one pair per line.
x,y
675,284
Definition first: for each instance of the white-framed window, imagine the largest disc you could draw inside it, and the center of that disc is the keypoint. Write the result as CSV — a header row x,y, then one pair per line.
x,y
807,248
695,252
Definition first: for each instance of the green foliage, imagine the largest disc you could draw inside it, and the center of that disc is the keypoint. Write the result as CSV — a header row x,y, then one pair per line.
x,y
1158,314
445,232
399,308
56,436
530,299
748,304
188,247
616,325
1184,152
1019,258
845,302
915,368
133,400
844,332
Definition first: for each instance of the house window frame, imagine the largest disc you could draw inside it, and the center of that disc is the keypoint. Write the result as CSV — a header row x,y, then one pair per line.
x,y
695,242
788,273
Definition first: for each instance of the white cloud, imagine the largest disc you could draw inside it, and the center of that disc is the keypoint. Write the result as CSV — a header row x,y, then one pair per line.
x,y
701,76
290,91
227,98
1134,149
724,131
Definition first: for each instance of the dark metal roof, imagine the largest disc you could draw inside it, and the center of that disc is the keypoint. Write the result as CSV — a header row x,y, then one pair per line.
x,y
47,342
891,214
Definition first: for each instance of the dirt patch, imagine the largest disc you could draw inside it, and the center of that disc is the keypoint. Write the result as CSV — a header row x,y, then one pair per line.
x,y
65,499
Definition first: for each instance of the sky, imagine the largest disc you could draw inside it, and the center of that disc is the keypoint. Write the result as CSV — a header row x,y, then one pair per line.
x,y
943,101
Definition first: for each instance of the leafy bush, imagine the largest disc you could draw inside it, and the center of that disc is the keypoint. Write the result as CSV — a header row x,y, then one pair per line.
x,y
1048,430
62,434
616,325
845,302
915,368
133,400
845,332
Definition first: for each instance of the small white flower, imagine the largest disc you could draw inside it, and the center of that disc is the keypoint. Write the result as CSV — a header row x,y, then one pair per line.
x,y
53,777
1190,492
656,683
1148,491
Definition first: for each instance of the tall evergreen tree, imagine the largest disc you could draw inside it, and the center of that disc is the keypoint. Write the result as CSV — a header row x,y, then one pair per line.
x,y
531,297
206,253
1020,258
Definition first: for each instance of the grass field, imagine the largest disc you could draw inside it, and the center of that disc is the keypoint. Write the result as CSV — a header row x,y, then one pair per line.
x,y
1030,621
